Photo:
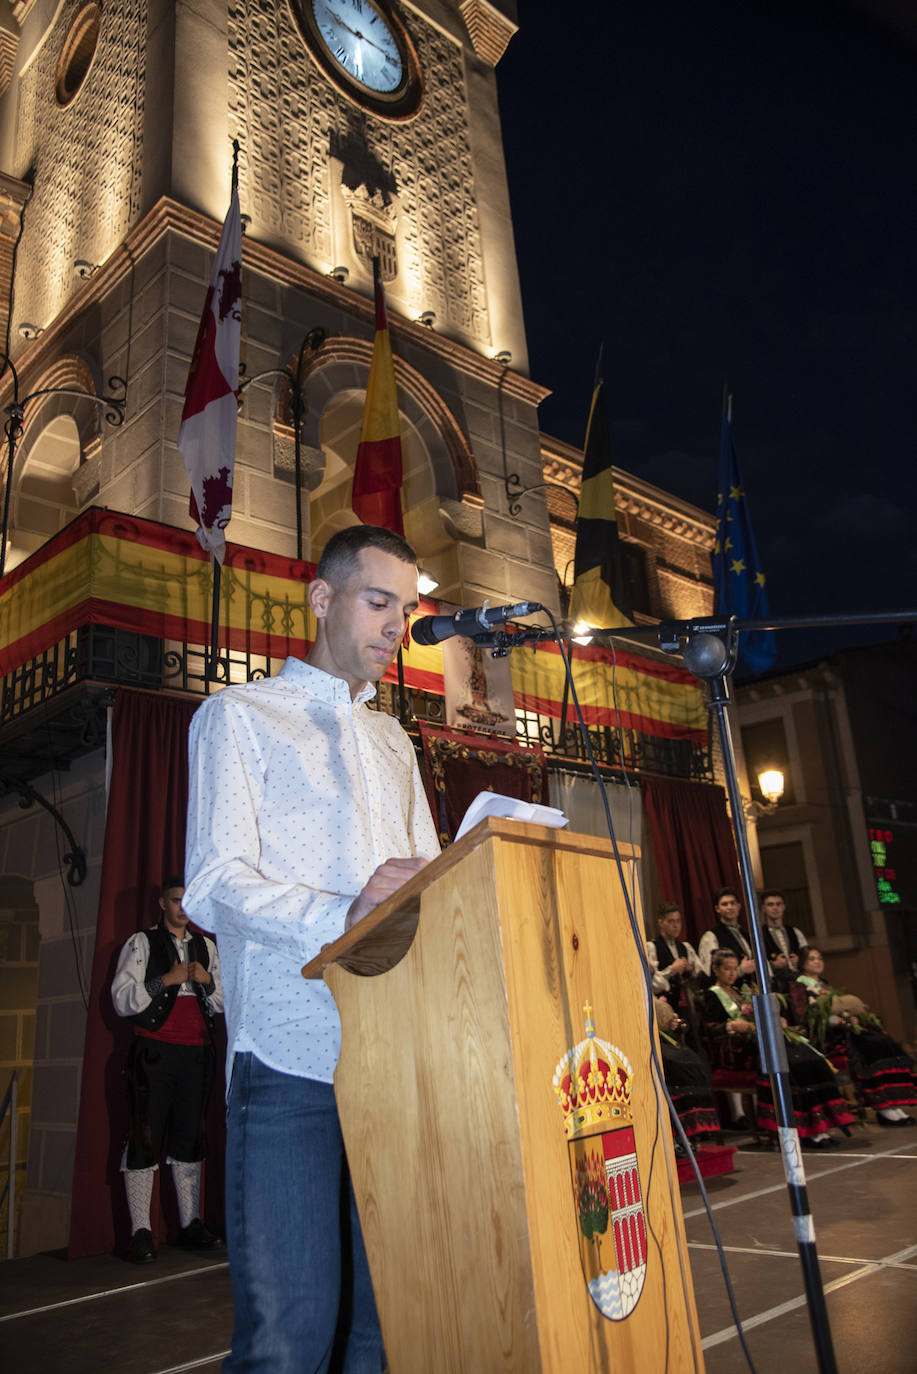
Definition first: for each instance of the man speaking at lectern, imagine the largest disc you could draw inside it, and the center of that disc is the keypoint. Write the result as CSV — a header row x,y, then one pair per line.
x,y
305,811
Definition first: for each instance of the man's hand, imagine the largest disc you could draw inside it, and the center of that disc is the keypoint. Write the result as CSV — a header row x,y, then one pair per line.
x,y
747,966
183,973
678,966
779,961
387,879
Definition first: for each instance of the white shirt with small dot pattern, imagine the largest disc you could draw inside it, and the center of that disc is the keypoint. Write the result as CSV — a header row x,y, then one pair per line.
x,y
296,795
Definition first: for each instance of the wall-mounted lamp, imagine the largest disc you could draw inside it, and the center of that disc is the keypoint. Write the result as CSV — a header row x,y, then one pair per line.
x,y
772,784
340,274
29,331
245,221
84,269
426,582
504,357
427,317
581,632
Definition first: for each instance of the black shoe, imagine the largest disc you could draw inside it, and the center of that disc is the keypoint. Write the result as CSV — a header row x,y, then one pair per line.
x,y
141,1247
741,1123
197,1237
826,1144
901,1121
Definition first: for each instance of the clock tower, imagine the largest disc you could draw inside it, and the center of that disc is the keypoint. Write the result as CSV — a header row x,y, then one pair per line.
x,y
366,128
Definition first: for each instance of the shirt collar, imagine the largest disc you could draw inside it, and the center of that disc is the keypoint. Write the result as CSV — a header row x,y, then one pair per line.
x,y
323,685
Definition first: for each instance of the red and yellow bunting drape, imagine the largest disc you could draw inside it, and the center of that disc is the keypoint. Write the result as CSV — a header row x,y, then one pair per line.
x,y
138,575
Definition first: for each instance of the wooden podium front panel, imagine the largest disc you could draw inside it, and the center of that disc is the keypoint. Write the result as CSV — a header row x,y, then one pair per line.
x,y
428,1107
454,1134
570,950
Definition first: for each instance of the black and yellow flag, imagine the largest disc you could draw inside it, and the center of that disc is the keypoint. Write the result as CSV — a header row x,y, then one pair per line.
x,y
598,596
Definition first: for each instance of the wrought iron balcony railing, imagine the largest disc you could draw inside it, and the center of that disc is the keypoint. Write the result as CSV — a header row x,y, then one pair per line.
x,y
119,602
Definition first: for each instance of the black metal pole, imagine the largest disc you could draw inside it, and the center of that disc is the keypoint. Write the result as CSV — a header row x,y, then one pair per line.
x,y
297,409
213,659
313,341
11,435
701,657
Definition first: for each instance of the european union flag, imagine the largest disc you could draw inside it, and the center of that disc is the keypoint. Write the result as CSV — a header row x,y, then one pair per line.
x,y
738,582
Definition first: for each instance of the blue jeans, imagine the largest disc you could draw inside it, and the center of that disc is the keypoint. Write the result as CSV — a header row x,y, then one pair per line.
x,y
303,1297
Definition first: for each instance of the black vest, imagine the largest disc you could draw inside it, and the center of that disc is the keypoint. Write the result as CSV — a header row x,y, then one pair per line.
x,y
162,956
664,956
770,944
726,939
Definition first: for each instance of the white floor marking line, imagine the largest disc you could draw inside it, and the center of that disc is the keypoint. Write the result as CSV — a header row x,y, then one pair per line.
x,y
111,1292
194,1364
811,1178
892,1262
760,1318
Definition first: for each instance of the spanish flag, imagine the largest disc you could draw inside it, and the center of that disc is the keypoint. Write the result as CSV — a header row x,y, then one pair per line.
x,y
597,598
377,470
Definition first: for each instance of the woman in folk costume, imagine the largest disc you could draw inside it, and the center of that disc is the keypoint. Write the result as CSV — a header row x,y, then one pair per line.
x,y
732,1038
841,1024
687,1078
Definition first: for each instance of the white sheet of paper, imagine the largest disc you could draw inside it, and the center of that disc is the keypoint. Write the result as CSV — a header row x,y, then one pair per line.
x,y
511,808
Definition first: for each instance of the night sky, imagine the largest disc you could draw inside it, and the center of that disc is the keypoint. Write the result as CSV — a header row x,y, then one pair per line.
x,y
716,190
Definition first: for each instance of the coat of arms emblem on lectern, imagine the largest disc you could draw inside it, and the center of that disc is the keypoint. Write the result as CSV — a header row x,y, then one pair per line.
x,y
593,1083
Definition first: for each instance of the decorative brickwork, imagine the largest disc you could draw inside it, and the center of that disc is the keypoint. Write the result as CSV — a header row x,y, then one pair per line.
x,y
488,29
9,44
304,145
13,196
87,157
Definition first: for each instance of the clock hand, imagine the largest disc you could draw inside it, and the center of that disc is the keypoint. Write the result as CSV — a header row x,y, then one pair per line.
x,y
355,32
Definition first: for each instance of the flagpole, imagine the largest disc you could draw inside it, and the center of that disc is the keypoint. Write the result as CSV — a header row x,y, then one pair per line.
x,y
212,662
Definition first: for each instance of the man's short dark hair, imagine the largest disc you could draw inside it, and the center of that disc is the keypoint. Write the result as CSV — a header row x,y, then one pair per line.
x,y
720,956
665,909
725,892
771,892
341,555
171,880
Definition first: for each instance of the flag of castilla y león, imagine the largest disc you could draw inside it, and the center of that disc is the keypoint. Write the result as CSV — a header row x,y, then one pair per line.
x,y
207,436
377,470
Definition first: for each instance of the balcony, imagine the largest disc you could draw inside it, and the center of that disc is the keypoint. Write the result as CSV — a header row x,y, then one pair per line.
x,y
115,601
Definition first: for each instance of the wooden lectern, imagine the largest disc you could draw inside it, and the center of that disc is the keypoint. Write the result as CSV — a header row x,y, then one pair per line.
x,y
512,1165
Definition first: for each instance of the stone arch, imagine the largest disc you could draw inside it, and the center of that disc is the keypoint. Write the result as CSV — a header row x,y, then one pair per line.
x,y
342,364
61,435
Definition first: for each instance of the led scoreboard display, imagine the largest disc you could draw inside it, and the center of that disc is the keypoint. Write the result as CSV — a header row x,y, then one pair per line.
x,y
893,849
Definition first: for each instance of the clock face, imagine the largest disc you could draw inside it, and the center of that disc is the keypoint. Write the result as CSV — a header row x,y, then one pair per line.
x,y
365,50
360,41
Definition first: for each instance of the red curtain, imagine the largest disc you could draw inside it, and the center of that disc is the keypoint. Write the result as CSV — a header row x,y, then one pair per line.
x,y
144,842
458,766
694,848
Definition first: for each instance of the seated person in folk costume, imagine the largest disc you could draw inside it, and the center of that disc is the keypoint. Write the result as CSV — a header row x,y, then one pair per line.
x,y
783,943
672,960
732,1041
844,1027
727,934
688,1079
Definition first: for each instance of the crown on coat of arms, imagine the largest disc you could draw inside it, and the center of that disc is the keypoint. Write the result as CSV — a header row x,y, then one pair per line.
x,y
593,1083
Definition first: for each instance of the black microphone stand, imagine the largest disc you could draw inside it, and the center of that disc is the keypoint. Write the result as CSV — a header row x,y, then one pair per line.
x,y
709,647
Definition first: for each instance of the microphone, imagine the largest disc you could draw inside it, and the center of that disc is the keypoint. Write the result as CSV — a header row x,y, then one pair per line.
x,y
432,629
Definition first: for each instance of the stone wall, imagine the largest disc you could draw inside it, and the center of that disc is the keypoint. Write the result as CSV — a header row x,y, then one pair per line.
x,y
53,985
19,941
